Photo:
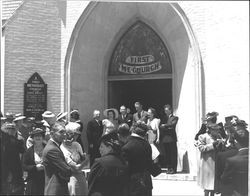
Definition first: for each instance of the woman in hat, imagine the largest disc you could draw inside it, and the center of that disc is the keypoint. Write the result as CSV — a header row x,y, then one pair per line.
x,y
109,173
33,163
207,144
110,123
76,159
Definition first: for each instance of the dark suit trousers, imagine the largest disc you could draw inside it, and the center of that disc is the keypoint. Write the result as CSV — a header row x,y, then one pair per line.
x,y
170,156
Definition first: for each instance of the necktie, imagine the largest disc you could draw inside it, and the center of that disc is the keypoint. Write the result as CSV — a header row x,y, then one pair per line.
x,y
139,115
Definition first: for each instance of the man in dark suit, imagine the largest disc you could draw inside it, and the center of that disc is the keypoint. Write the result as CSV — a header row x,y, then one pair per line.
x,y
94,133
169,139
140,115
57,172
138,153
124,117
235,173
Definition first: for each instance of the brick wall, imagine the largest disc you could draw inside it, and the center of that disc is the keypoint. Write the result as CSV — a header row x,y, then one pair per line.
x,y
222,30
33,44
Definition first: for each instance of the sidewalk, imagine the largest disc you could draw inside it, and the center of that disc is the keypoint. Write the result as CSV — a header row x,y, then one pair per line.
x,y
176,185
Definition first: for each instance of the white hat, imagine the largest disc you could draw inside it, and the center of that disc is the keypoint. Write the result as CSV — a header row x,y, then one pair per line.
x,y
48,114
105,112
61,115
19,116
73,127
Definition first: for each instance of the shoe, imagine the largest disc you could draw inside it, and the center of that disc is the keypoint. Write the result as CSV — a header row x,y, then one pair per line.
x,y
171,171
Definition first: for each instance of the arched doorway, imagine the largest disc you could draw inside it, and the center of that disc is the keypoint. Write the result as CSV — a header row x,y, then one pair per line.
x,y
89,82
139,69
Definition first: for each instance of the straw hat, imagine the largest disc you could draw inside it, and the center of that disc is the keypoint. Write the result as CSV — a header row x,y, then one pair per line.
x,y
61,115
48,114
18,117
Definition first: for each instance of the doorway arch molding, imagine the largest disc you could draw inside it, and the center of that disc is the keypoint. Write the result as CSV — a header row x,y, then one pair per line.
x,y
183,50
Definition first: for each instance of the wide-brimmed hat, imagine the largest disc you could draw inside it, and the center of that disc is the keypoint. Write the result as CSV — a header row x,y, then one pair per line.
x,y
48,114
241,124
18,117
73,127
105,112
37,131
61,115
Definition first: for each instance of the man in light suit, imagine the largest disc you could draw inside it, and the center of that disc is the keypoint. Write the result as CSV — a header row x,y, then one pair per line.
x,y
168,139
57,172
140,115
94,133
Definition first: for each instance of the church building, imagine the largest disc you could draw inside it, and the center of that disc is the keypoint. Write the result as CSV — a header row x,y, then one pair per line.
x,y
193,55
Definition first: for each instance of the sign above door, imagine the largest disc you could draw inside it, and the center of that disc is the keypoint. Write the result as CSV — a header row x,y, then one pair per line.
x,y
140,51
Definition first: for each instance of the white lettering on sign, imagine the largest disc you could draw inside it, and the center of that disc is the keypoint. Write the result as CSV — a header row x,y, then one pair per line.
x,y
128,69
139,60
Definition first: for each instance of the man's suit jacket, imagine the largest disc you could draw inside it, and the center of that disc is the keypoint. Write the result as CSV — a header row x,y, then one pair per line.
x,y
138,153
143,117
127,119
57,172
167,129
94,133
236,172
219,168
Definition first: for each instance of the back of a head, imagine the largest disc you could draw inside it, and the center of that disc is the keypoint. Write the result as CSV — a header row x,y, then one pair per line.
x,y
123,130
242,137
56,127
140,129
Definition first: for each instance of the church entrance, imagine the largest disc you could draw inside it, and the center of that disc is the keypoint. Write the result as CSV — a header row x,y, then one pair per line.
x,y
151,93
140,69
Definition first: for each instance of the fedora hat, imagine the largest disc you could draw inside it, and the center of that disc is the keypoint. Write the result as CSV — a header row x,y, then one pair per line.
x,y
61,115
105,112
18,117
37,131
48,114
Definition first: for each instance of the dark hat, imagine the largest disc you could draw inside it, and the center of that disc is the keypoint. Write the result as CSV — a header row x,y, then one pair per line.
x,y
111,139
109,135
39,124
230,118
211,115
241,123
37,131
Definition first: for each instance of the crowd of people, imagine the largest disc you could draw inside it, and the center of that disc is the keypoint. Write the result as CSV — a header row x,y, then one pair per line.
x,y
223,164
47,157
